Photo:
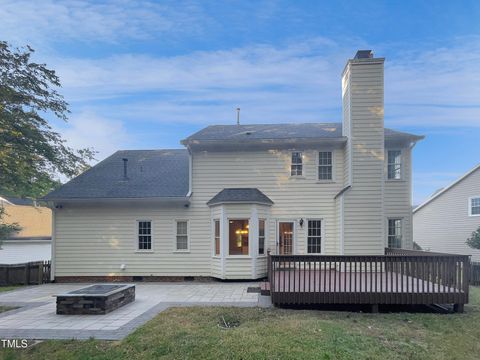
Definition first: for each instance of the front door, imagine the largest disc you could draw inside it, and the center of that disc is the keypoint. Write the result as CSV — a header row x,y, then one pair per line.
x,y
285,238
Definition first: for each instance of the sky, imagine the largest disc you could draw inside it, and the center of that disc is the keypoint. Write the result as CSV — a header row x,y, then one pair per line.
x,y
146,74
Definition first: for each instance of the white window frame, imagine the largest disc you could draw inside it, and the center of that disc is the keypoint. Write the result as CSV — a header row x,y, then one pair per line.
x,y
264,237
177,250
297,164
215,238
137,236
244,256
401,231
318,165
470,201
401,165
322,236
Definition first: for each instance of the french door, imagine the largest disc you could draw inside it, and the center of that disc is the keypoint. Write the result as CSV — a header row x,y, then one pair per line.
x,y
286,237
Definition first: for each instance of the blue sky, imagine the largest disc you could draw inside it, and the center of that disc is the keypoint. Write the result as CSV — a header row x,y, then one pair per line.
x,y
144,74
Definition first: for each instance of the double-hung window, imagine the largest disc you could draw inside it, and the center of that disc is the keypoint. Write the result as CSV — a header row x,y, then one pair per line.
x,y
474,206
314,237
144,235
217,236
296,168
261,237
182,235
395,233
394,164
325,165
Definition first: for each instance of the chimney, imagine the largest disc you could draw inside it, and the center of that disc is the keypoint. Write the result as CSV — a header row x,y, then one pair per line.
x,y
125,162
363,126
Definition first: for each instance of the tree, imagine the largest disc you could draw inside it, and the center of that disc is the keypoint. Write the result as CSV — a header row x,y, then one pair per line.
x,y
32,154
474,240
6,229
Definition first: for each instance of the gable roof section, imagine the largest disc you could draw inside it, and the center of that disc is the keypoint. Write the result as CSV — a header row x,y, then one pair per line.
x,y
439,193
257,133
17,201
240,195
150,174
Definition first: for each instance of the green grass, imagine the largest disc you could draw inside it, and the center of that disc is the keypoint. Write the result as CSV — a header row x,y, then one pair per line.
x,y
193,333
9,288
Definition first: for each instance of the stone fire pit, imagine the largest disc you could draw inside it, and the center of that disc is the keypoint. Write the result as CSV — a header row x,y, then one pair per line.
x,y
95,299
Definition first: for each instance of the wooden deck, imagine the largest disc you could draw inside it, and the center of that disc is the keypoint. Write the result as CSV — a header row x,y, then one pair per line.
x,y
399,277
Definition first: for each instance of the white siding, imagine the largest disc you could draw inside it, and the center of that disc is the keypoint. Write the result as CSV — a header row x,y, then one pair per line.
x,y
17,252
269,171
363,205
398,199
444,224
96,240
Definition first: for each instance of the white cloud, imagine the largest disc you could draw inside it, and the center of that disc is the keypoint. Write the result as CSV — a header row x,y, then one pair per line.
x,y
295,82
89,130
47,21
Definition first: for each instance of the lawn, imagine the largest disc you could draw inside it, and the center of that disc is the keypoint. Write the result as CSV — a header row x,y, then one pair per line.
x,y
194,333
8,288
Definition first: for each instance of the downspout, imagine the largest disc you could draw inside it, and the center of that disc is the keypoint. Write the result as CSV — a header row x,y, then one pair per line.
x,y
190,169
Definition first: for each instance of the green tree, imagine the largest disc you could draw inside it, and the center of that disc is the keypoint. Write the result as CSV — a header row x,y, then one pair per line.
x,y
474,240
32,154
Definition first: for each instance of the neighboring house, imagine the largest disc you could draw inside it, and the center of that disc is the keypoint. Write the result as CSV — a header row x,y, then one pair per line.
x,y
215,208
447,219
33,241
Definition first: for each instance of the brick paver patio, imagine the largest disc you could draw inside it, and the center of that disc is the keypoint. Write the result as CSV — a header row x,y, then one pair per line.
x,y
36,317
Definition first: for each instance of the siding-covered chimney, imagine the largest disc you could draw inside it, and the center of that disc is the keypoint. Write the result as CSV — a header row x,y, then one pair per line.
x,y
363,125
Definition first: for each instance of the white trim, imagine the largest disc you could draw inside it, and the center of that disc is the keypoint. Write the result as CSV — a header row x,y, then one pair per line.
x,y
141,251
322,236
294,235
470,205
402,165
190,170
53,246
446,189
219,236
240,218
342,230
302,176
317,164
402,230
175,222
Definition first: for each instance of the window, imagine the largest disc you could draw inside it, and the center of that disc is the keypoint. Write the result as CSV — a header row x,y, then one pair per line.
x,y
297,164
144,235
238,237
182,235
261,237
394,233
325,165
314,237
217,237
394,165
475,206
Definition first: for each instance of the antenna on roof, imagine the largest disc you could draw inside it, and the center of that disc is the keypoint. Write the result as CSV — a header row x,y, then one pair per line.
x,y
238,116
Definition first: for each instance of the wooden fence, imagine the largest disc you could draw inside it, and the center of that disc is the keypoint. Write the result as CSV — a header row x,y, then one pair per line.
x,y
398,277
32,273
475,277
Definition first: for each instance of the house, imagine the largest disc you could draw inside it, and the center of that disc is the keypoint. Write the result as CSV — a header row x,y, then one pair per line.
x,y
235,192
33,241
447,219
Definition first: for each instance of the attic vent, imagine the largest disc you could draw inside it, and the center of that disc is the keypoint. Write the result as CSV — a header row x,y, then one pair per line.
x,y
125,161
364,54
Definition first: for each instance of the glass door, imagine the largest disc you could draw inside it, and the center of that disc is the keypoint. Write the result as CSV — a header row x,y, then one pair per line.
x,y
285,238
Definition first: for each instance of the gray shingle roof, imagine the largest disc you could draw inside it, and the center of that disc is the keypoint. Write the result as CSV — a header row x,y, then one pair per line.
x,y
276,132
240,195
19,201
150,173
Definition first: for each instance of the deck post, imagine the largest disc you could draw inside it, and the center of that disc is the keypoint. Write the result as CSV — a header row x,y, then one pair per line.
x,y
458,308
374,308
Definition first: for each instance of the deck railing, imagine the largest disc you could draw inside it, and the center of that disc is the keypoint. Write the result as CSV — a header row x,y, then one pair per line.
x,y
398,277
